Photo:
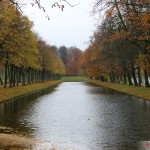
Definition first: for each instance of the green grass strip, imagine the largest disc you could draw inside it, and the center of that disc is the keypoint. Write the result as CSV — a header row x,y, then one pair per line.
x,y
74,79
141,92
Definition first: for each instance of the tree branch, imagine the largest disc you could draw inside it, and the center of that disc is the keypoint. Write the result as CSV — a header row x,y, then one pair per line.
x,y
70,4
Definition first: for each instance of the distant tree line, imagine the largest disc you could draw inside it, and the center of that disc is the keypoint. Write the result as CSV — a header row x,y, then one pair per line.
x,y
70,57
119,50
24,57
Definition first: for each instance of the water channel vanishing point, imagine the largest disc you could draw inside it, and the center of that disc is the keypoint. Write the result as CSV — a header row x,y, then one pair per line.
x,y
80,116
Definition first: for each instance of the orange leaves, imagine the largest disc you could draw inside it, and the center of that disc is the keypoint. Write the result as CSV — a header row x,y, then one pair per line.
x,y
122,34
115,36
92,61
109,12
72,64
119,40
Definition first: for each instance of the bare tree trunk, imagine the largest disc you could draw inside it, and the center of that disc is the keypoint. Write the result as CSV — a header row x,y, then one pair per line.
x,y
129,79
146,79
124,78
139,76
1,82
134,77
6,70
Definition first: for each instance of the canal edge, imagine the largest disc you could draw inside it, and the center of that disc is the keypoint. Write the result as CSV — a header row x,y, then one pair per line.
x,y
98,83
15,97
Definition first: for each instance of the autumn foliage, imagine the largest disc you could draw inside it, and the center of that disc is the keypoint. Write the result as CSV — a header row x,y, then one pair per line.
x,y
119,50
24,57
70,57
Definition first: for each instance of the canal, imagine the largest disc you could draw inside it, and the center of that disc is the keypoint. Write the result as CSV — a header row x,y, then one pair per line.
x,y
80,116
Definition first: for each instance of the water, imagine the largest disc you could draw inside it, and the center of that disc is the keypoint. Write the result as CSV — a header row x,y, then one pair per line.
x,y
81,116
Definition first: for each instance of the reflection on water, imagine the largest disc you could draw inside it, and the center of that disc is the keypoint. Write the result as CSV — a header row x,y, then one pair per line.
x,y
80,115
10,111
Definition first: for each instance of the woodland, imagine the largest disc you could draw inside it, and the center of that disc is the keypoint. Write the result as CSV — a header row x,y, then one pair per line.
x,y
118,51
24,57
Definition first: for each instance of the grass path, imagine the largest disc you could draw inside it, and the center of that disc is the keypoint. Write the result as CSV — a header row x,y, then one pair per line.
x,y
140,92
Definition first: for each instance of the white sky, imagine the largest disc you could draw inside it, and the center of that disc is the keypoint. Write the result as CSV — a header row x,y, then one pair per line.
x,y
72,27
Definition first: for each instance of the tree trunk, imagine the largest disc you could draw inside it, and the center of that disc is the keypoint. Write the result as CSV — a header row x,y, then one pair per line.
x,y
11,76
146,79
129,79
17,76
23,77
6,70
1,81
125,78
134,77
139,76
14,76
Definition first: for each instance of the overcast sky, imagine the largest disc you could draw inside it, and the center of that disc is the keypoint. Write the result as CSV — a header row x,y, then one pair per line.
x,y
72,27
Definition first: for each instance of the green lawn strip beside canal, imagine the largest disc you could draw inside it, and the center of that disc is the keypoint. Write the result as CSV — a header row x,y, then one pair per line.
x,y
141,92
74,79
10,93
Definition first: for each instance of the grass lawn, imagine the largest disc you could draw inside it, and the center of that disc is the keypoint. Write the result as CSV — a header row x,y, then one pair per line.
x,y
9,93
140,92
74,79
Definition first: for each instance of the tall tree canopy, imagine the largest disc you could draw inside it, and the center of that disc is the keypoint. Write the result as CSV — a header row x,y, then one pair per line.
x,y
25,57
119,49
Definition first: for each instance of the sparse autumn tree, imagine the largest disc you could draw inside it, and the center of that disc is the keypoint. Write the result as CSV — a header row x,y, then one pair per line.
x,y
72,68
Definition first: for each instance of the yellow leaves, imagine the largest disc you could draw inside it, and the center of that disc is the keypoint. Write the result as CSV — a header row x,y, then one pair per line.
x,y
48,59
7,14
18,40
17,37
142,61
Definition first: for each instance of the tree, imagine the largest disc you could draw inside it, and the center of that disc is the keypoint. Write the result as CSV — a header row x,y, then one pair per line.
x,y
51,65
72,68
20,52
63,53
131,26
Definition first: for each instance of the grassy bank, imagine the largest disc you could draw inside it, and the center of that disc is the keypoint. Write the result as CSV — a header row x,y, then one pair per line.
x,y
140,92
74,79
9,93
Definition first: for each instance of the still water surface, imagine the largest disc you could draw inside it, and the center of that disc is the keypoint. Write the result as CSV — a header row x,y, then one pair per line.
x,y
80,115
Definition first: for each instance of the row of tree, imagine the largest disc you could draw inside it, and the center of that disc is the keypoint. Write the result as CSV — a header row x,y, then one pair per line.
x,y
70,57
119,49
24,56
